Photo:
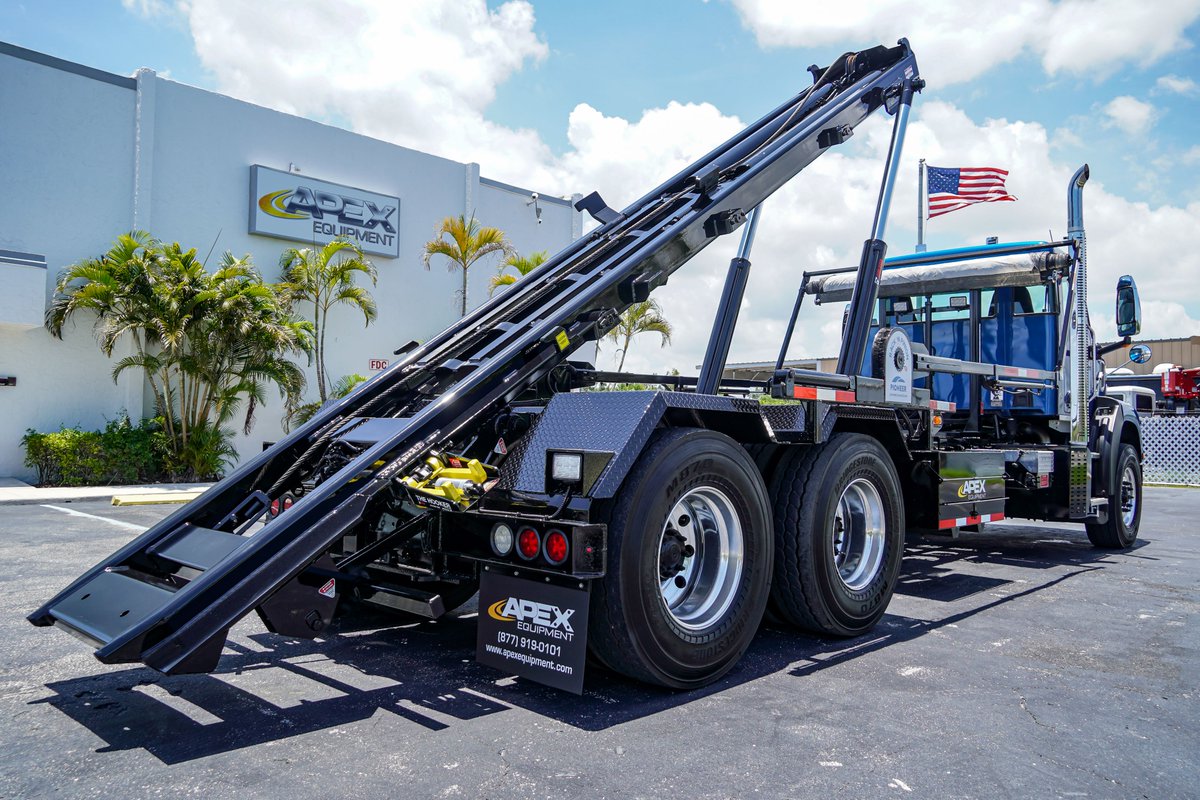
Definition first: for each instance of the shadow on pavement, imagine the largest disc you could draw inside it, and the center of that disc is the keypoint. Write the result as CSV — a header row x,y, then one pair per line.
x,y
269,688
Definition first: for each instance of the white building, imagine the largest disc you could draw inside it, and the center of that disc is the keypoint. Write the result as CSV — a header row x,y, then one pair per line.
x,y
86,155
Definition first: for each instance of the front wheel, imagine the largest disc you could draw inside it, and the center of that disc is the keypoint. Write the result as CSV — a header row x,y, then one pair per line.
x,y
689,562
1120,530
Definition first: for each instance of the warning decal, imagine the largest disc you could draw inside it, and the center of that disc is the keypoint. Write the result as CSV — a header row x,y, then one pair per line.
x,y
329,589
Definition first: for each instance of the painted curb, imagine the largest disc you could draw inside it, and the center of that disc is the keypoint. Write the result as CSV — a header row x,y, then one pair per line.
x,y
158,498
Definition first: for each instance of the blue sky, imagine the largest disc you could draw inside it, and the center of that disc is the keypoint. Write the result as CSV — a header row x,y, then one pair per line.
x,y
622,57
568,96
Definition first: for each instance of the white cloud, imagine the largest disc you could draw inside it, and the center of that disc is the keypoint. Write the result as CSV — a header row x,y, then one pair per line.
x,y
956,42
1065,137
1177,85
416,72
1130,115
146,8
822,217
1161,319
423,73
624,159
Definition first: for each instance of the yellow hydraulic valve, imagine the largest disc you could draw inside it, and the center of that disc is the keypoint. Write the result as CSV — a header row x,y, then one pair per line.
x,y
451,478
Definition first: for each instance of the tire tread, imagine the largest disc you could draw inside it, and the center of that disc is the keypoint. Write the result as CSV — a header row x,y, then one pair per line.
x,y
1107,535
612,642
795,494
789,601
607,633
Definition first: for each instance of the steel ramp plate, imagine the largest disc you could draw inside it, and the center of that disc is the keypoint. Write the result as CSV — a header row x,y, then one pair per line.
x,y
371,430
198,548
108,605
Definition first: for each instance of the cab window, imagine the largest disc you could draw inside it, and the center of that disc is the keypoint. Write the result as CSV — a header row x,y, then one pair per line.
x,y
1032,300
950,306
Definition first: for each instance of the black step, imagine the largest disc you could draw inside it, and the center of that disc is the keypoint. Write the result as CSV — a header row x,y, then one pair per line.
x,y
413,601
108,605
198,548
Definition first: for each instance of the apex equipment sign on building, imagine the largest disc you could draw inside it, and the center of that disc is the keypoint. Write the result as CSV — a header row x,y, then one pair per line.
x,y
289,206
147,136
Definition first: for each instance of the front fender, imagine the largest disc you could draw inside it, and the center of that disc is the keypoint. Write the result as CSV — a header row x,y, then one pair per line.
x,y
1113,428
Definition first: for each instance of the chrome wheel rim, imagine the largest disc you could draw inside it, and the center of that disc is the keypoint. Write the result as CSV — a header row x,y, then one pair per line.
x,y
701,556
1129,499
858,534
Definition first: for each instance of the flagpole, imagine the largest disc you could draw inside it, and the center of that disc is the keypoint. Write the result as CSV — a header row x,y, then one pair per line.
x,y
922,194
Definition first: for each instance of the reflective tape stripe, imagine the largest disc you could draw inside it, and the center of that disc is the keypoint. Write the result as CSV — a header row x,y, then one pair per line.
x,y
941,405
828,395
959,522
1024,372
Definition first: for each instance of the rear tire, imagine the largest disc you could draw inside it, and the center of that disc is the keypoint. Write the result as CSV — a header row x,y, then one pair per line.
x,y
1120,531
839,535
662,615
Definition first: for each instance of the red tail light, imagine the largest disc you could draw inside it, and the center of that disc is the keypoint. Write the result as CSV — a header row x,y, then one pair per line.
x,y
529,544
281,504
556,547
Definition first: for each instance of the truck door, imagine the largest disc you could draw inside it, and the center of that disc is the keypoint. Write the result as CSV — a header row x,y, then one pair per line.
x,y
1019,328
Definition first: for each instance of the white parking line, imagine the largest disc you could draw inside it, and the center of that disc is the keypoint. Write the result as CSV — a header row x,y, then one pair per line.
x,y
75,513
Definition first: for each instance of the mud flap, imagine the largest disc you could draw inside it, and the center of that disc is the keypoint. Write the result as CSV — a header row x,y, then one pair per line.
x,y
534,629
302,607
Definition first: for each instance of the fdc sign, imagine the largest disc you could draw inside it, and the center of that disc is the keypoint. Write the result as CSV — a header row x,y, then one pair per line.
x,y
290,206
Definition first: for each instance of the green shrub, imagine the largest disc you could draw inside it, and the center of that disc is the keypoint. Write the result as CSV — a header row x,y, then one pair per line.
x,y
206,453
121,453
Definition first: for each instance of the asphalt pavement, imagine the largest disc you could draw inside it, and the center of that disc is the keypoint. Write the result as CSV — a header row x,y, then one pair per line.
x,y
1019,662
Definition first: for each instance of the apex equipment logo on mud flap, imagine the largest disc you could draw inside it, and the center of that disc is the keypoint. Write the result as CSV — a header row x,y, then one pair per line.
x,y
534,617
972,488
290,206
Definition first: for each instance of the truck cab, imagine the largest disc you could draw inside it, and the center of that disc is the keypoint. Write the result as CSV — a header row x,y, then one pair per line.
x,y
992,330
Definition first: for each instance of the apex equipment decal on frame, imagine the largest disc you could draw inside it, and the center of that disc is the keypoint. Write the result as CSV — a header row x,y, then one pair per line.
x,y
290,206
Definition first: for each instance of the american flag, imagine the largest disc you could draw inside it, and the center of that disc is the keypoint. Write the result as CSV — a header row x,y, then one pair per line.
x,y
952,188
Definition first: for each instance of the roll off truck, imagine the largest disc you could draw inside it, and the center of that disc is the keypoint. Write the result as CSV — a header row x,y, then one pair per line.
x,y
650,531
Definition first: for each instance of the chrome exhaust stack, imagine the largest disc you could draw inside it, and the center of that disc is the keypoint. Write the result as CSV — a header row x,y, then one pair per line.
x,y
1081,347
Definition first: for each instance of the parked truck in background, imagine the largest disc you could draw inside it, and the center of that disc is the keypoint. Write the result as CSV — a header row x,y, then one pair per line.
x,y
652,529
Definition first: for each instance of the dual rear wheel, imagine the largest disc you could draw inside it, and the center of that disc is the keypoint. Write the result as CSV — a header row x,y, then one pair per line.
x,y
695,536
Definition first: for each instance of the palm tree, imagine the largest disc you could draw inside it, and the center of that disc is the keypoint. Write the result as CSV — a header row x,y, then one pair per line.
x,y
204,340
522,264
644,317
325,278
468,242
117,287
219,338
300,414
123,288
239,352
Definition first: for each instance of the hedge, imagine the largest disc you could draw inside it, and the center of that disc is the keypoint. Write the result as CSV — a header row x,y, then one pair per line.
x,y
121,453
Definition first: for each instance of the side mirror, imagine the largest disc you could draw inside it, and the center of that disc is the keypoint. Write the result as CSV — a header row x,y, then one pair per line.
x,y
1140,353
1129,308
